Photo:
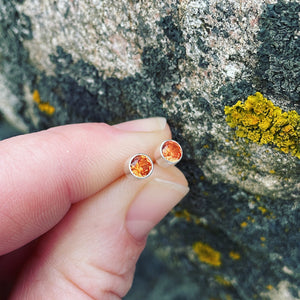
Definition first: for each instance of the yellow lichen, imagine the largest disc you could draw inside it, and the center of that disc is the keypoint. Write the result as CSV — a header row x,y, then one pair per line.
x,y
36,97
250,219
234,255
223,281
207,254
244,224
44,107
262,209
260,121
183,214
47,108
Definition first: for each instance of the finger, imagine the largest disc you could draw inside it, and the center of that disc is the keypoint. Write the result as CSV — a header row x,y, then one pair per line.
x,y
42,174
10,266
92,253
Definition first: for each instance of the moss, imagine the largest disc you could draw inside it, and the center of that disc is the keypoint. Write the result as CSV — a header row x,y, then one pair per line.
x,y
207,254
260,121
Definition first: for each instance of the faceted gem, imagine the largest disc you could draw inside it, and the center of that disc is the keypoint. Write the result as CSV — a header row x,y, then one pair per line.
x,y
171,151
141,166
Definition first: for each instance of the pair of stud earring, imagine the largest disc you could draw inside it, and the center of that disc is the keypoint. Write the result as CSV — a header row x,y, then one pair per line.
x,y
141,165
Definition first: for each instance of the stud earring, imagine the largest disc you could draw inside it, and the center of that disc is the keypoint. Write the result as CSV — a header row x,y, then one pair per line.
x,y
170,153
140,166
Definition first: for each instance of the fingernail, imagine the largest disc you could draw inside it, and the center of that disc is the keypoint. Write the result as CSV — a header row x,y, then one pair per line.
x,y
150,124
155,200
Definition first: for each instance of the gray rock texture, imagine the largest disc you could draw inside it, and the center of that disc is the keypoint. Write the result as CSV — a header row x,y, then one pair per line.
x,y
237,234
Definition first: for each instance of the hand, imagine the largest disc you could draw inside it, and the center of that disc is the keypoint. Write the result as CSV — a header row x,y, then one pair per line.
x,y
72,224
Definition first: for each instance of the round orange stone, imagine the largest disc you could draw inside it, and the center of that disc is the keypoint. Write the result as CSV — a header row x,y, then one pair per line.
x,y
171,151
141,166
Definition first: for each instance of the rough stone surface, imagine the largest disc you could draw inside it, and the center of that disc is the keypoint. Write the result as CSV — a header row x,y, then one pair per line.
x,y
9,105
118,60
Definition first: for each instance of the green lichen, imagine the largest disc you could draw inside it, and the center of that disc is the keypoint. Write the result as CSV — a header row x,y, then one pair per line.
x,y
278,67
260,121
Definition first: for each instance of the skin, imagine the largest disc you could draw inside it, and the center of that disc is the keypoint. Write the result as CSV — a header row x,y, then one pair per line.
x,y
72,223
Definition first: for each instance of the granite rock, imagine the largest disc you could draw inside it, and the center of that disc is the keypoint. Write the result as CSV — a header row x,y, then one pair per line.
x,y
236,235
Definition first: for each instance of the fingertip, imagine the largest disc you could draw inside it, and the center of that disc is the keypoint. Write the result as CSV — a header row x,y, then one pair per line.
x,y
172,173
166,189
143,125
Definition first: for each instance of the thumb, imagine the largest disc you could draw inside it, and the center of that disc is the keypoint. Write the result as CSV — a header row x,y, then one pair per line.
x,y
92,253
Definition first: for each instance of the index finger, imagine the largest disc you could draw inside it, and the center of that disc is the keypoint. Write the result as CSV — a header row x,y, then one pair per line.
x,y
42,174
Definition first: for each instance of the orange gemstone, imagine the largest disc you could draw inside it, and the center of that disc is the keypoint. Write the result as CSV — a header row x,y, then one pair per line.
x,y
141,165
171,151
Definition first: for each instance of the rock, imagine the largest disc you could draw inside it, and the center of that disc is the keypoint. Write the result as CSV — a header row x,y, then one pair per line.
x,y
236,235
